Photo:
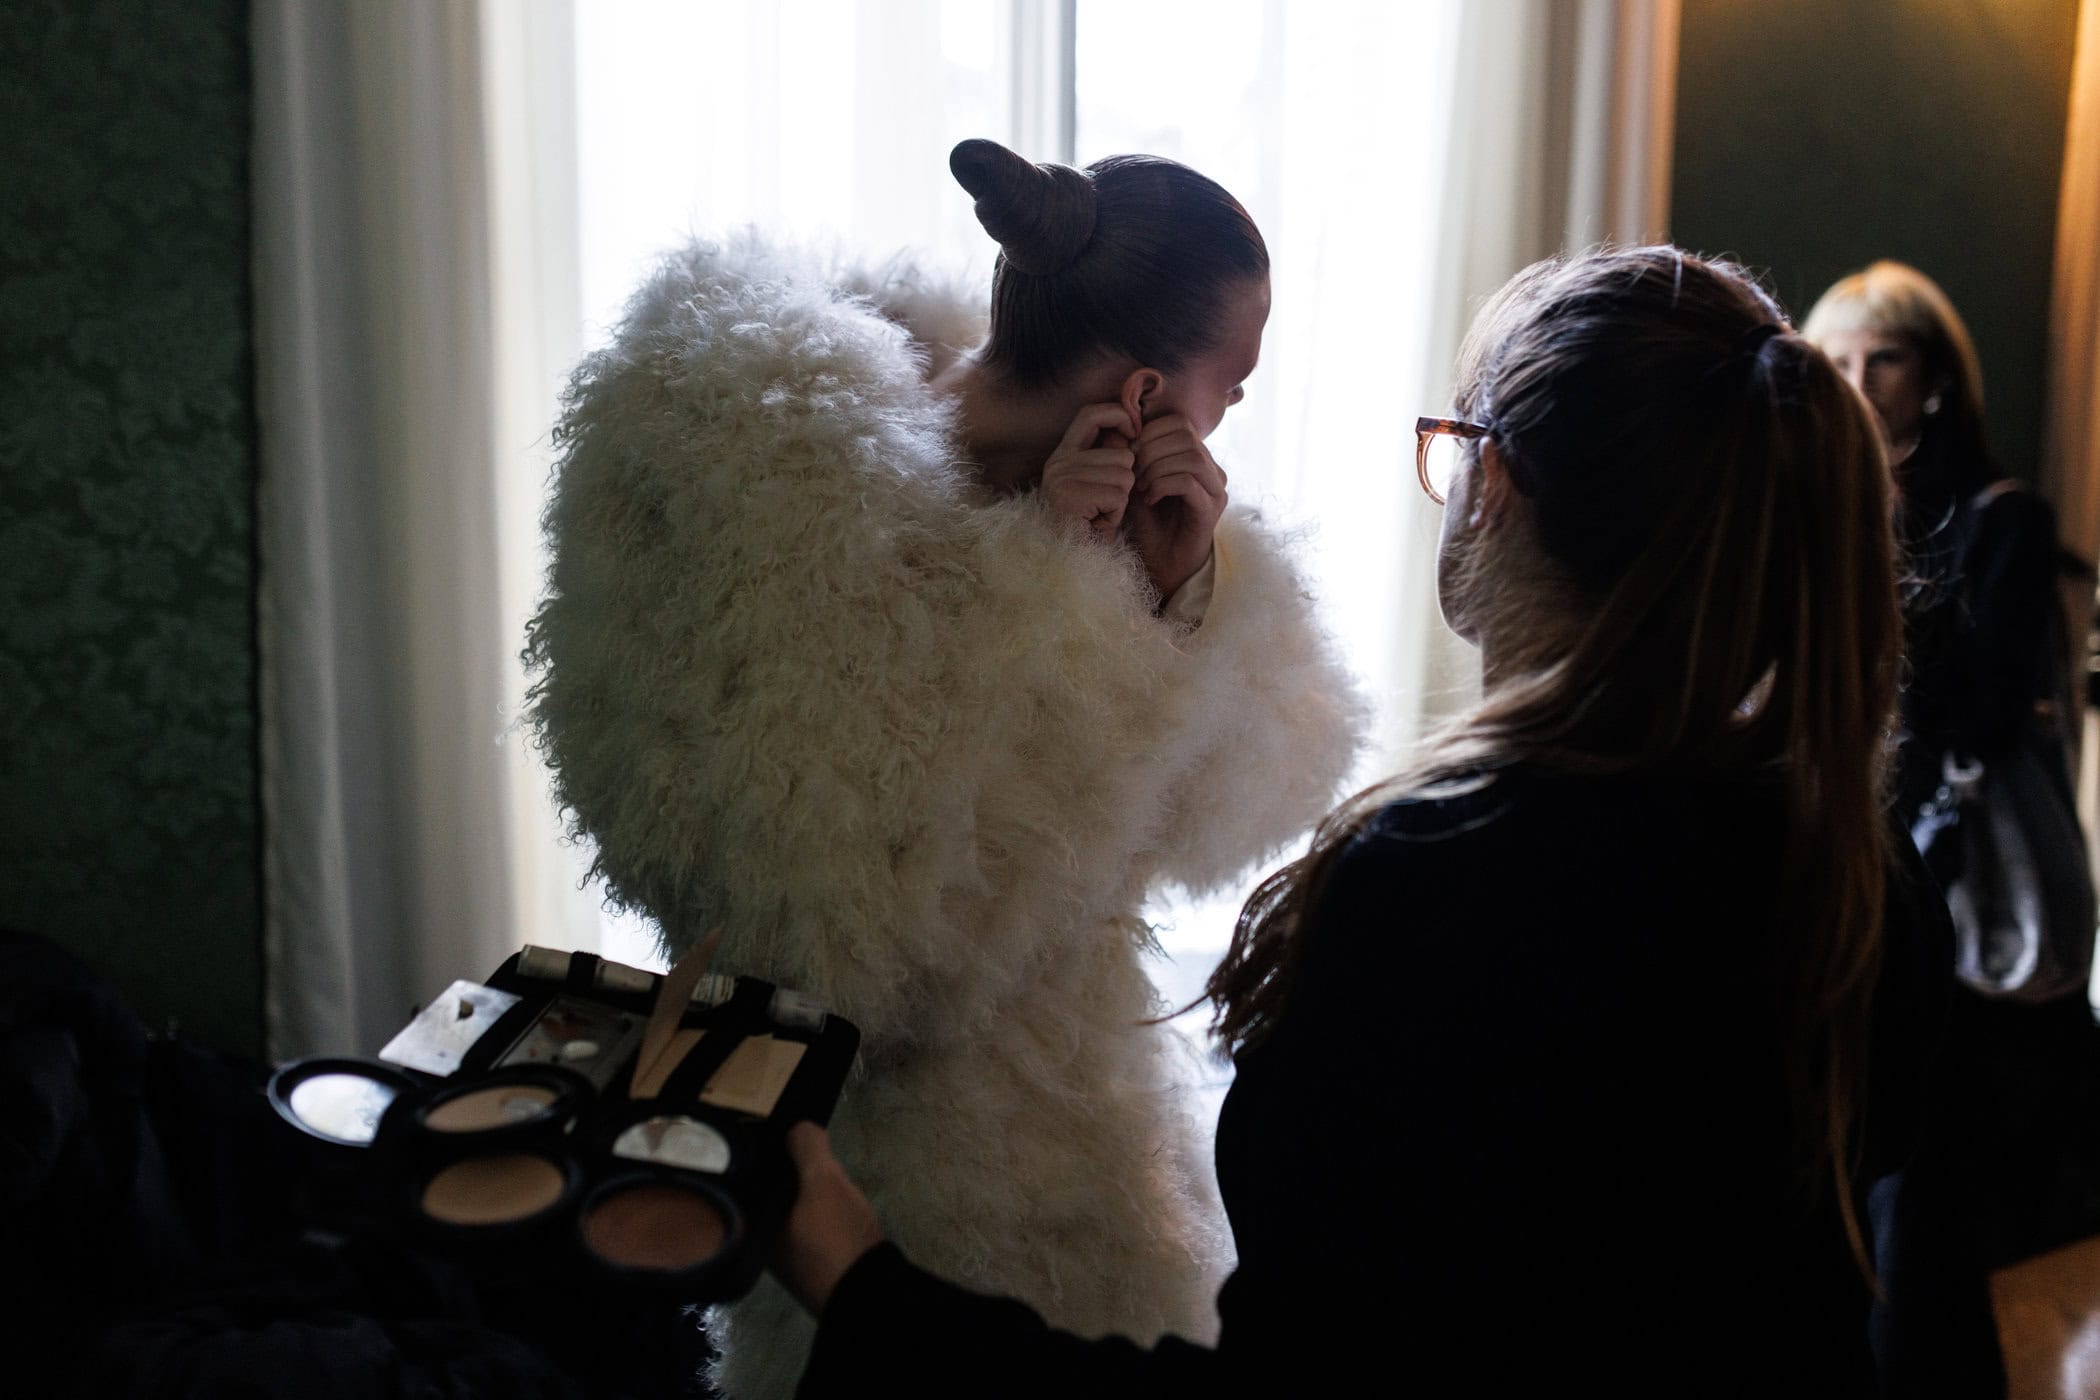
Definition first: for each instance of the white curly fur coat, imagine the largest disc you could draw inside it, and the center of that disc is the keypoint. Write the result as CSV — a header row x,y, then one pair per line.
x,y
922,753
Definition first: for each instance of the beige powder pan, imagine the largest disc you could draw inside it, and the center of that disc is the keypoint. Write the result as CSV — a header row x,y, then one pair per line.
x,y
754,1076
496,1106
506,1188
520,1107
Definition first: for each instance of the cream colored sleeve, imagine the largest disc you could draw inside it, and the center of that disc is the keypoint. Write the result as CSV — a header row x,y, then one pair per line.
x,y
1192,600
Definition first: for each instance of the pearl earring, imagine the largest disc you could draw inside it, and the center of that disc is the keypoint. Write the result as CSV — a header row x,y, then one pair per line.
x,y
1932,403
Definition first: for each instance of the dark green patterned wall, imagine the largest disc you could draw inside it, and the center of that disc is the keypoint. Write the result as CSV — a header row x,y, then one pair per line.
x,y
128,810
1814,136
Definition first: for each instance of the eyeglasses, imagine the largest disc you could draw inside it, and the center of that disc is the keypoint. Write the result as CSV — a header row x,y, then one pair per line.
x,y
1439,454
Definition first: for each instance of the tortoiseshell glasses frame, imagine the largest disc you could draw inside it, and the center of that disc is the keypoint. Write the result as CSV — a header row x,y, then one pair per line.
x,y
1427,428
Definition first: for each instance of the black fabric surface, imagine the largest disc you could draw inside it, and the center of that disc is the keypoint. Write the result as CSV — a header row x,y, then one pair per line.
x,y
1522,1129
1981,616
163,1234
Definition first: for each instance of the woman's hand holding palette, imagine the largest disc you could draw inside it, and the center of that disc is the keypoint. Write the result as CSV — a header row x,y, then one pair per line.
x,y
573,1105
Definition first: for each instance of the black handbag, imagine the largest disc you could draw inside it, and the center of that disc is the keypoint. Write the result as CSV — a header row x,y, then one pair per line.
x,y
2002,836
2005,842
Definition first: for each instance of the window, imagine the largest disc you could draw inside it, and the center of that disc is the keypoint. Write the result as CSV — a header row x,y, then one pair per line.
x,y
831,120
824,119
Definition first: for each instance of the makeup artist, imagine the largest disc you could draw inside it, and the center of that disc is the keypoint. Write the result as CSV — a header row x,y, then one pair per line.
x,y
1575,1052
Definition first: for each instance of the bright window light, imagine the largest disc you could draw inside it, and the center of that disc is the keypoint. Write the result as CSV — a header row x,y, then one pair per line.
x,y
831,121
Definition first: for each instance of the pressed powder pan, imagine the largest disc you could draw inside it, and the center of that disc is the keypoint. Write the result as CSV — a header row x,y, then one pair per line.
x,y
516,1105
490,1106
501,1189
659,1228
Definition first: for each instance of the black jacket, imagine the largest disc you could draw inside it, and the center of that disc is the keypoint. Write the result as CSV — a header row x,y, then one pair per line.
x,y
1985,631
1521,1127
163,1236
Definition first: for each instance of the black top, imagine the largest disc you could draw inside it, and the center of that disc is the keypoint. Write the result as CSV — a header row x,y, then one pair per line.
x,y
1522,1122
1984,624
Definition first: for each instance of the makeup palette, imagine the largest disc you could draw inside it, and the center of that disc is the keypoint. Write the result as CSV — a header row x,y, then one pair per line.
x,y
576,1109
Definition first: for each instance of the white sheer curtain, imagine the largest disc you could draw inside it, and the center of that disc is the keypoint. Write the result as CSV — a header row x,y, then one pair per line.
x,y
529,112
1561,129
825,120
390,850
1402,161
454,199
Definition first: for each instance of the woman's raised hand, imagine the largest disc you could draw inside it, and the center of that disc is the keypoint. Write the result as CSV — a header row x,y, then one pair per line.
x,y
1175,502
1090,476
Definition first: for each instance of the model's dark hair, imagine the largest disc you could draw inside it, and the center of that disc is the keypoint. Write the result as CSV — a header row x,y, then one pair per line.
x,y
1717,500
1135,255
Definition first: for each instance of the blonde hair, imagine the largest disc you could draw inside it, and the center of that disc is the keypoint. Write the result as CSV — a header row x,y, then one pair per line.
x,y
1893,298
1718,498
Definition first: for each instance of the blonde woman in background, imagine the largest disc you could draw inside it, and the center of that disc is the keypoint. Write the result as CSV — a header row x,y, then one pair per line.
x,y
1982,559
1985,674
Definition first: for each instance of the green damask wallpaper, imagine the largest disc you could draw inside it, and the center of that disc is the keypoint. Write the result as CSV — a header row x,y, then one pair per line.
x,y
128,807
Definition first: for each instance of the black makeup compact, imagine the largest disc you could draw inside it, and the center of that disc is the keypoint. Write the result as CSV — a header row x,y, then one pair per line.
x,y
338,1101
573,1110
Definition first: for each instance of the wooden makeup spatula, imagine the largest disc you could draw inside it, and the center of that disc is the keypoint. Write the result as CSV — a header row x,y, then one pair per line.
x,y
661,1037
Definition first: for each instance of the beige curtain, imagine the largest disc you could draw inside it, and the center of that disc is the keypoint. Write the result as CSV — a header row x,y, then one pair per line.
x,y
1561,140
2071,457
407,836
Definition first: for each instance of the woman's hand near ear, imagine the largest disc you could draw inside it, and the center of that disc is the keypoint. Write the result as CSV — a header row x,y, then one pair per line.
x,y
831,1226
1090,475
1175,505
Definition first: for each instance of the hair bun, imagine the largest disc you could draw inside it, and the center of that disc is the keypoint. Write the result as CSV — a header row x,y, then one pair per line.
x,y
1042,215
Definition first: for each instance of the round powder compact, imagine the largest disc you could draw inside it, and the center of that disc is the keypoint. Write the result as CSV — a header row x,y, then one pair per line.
x,y
496,1190
657,1226
517,1106
494,1106
338,1101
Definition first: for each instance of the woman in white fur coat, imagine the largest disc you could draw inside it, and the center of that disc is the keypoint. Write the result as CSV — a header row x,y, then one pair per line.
x,y
913,653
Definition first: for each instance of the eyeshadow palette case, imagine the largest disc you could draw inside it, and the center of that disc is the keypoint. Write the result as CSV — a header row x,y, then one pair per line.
x,y
516,1121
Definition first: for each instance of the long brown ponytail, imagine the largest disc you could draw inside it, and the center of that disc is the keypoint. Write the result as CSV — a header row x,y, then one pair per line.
x,y
1707,486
